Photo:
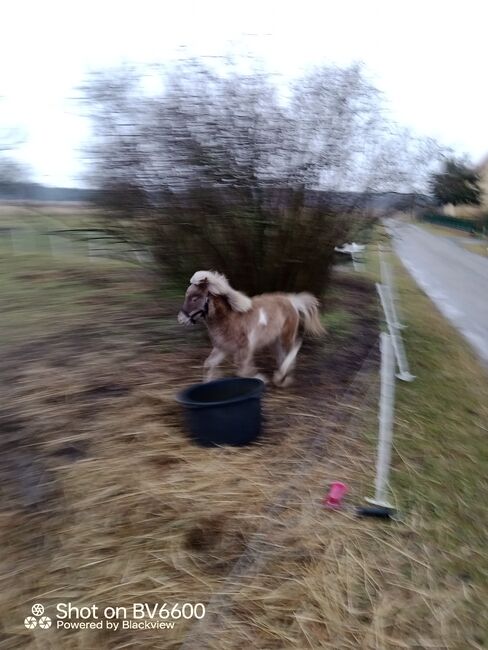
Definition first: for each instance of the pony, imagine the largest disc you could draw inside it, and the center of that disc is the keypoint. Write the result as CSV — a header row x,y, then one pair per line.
x,y
239,326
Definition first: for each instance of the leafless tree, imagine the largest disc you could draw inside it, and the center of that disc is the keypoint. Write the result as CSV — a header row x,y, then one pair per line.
x,y
220,171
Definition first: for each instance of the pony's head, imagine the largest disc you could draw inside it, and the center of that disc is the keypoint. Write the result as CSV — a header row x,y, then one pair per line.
x,y
195,306
203,285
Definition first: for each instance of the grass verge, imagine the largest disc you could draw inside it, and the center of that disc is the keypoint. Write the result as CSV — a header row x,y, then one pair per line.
x,y
441,442
479,245
480,248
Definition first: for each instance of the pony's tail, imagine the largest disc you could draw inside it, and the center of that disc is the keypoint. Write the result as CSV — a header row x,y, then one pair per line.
x,y
308,308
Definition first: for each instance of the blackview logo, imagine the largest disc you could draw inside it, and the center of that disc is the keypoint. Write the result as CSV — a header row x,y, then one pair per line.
x,y
37,618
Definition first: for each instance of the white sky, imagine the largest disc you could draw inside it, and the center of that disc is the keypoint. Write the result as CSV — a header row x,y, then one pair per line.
x,y
428,57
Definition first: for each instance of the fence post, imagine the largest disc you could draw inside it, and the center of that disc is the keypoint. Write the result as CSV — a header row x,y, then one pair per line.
x,y
404,372
387,281
385,432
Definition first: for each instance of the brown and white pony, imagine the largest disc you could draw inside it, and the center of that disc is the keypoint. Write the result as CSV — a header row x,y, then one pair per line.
x,y
239,325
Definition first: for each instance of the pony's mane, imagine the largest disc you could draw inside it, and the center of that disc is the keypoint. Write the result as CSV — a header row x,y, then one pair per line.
x,y
218,285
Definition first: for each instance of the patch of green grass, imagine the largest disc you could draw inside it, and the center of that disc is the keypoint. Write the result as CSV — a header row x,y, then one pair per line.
x,y
43,294
338,322
442,420
44,291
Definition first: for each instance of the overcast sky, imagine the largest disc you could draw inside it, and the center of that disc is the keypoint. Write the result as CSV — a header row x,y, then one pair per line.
x,y
428,57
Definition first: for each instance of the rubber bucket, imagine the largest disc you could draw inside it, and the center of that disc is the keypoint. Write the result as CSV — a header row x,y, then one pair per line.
x,y
223,412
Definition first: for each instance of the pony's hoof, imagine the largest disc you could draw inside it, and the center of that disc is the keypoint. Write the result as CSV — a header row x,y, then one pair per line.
x,y
282,382
277,378
213,377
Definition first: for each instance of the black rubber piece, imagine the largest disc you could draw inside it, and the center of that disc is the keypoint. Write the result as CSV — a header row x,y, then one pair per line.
x,y
223,412
376,511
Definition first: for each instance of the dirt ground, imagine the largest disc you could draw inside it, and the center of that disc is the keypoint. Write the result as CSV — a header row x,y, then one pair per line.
x,y
104,498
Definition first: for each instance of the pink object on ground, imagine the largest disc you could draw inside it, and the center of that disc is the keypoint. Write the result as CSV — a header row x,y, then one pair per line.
x,y
337,490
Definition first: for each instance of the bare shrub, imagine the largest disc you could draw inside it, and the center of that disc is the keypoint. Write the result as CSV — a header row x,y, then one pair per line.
x,y
219,171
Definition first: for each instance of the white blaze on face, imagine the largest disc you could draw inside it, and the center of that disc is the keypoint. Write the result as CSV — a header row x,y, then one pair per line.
x,y
183,319
263,320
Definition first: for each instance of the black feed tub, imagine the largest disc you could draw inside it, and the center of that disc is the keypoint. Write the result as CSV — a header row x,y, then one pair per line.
x,y
223,412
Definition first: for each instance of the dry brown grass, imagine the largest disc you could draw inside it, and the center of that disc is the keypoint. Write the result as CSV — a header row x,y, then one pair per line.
x,y
147,516
105,499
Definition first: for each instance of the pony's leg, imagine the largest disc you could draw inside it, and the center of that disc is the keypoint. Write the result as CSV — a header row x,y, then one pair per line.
x,y
279,352
211,362
244,360
290,345
283,376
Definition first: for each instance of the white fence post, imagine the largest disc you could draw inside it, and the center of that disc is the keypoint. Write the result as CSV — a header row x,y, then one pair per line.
x,y
385,435
387,281
404,372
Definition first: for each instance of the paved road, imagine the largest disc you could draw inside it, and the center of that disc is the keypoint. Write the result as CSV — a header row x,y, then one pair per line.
x,y
454,279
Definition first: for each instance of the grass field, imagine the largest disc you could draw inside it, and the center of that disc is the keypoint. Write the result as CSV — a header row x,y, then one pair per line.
x,y
105,500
